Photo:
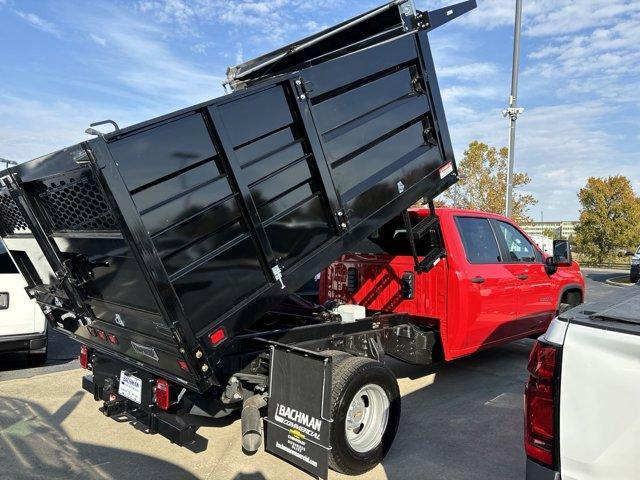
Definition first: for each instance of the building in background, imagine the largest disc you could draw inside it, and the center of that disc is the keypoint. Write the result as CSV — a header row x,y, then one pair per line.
x,y
563,229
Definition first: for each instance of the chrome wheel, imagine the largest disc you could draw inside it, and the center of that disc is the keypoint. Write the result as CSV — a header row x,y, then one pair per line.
x,y
367,418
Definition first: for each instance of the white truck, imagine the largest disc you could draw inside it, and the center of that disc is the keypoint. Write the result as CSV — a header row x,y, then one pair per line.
x,y
22,325
581,400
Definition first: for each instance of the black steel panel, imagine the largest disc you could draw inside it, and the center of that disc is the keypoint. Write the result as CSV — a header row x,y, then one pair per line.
x,y
298,233
248,119
197,228
209,291
110,270
186,205
180,262
152,154
266,165
355,67
175,187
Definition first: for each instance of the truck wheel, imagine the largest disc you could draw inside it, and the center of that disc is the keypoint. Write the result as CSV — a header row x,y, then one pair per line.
x,y
37,359
564,307
365,407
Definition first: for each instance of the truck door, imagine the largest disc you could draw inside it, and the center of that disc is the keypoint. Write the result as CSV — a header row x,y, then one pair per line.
x,y
536,300
16,310
486,308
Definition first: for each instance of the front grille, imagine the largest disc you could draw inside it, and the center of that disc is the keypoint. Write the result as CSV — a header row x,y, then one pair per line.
x,y
11,218
75,203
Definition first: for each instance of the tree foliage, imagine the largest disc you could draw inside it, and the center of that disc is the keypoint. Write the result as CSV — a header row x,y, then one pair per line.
x,y
609,217
483,183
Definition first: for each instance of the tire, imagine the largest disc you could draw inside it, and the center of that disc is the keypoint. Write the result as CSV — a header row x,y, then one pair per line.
x,y
564,307
39,358
373,382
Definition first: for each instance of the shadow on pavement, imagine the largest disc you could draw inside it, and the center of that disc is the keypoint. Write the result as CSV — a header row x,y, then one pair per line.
x,y
34,446
467,422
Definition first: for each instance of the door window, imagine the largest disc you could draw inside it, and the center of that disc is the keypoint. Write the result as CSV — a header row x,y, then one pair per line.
x,y
478,239
6,264
518,247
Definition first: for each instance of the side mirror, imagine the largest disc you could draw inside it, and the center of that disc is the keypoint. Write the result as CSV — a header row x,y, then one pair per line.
x,y
550,265
562,252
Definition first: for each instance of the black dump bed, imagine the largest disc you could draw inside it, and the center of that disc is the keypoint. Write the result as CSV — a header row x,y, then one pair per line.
x,y
166,231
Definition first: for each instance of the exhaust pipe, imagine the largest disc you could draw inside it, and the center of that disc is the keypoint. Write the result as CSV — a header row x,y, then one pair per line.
x,y
251,428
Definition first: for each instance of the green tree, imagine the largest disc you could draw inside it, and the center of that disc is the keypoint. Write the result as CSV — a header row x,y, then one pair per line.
x,y
483,181
609,217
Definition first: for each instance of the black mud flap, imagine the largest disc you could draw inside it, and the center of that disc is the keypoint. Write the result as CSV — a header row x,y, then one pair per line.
x,y
298,420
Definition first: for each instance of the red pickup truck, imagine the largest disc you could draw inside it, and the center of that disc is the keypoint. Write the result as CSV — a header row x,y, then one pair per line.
x,y
483,281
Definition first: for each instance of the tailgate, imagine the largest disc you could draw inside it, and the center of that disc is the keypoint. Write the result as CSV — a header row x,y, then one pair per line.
x,y
66,239
599,392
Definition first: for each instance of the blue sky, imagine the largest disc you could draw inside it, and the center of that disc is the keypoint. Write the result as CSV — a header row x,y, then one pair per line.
x,y
68,63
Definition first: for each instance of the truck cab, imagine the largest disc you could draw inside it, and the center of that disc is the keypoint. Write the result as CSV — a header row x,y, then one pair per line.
x,y
490,285
22,325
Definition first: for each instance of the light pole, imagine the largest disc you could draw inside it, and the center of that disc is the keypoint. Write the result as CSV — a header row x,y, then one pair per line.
x,y
513,111
7,162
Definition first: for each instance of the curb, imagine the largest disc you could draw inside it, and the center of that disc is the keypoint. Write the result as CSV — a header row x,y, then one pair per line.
x,y
612,281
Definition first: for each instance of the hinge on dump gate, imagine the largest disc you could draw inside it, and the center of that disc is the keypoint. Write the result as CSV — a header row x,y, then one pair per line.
x,y
343,220
303,88
408,15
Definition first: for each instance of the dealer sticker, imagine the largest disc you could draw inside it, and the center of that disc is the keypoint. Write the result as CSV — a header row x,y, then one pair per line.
x,y
446,169
130,387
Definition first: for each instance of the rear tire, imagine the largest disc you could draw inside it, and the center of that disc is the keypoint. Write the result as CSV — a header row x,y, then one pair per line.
x,y
365,408
564,307
38,358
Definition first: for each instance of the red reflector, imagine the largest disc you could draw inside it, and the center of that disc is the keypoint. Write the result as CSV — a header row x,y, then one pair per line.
x,y
102,335
162,394
539,407
84,356
183,365
113,339
217,336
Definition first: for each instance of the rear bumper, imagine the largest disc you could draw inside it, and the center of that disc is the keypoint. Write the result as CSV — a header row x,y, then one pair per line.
x,y
535,471
23,343
173,426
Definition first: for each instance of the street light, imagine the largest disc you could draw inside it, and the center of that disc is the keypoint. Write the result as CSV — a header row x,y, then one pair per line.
x,y
8,162
513,111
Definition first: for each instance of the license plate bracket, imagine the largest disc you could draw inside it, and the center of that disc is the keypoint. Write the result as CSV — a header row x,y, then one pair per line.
x,y
130,387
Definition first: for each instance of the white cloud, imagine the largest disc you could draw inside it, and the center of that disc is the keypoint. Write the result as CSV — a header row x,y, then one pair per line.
x,y
99,40
560,146
469,70
30,128
38,22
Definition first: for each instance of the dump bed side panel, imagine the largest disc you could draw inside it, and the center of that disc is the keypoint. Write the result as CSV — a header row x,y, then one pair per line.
x,y
208,217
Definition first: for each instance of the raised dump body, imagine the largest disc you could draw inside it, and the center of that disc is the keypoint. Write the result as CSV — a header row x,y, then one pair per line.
x,y
163,241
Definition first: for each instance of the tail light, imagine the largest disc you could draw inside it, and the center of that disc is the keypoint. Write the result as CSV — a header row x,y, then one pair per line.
x,y
102,335
183,365
539,409
162,394
112,339
84,356
218,336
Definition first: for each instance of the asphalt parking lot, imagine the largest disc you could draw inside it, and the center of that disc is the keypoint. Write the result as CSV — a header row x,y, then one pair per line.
x,y
461,420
